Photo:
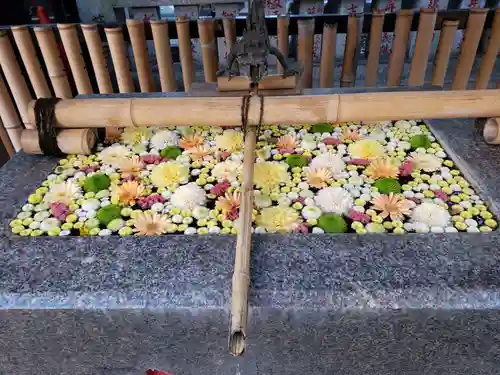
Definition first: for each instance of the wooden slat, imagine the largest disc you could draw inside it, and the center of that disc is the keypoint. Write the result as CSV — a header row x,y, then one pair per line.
x,y
489,58
208,49
185,53
282,36
376,29
472,36
305,50
163,55
399,47
4,137
328,48
120,59
69,38
30,60
141,56
348,67
94,46
422,49
53,61
229,26
445,46
10,119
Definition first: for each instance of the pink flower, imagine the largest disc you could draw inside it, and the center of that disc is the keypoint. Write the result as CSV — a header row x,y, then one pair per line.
x,y
147,202
286,150
406,168
441,195
89,168
131,177
233,214
331,141
302,228
152,159
224,155
220,188
359,161
59,210
358,216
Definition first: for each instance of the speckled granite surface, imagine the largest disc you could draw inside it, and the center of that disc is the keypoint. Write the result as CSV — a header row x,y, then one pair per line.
x,y
343,304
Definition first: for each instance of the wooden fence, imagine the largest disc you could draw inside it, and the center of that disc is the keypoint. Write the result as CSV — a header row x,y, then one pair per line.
x,y
68,59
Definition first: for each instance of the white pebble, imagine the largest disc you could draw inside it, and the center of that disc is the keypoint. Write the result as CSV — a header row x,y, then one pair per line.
x,y
157,207
91,204
90,214
417,188
348,186
465,204
434,187
207,187
451,230
472,230
437,230
177,218
311,212
105,203
28,207
284,201
479,202
408,227
35,225
471,222
306,194
195,172
455,187
235,184
408,194
214,230
51,177
421,228
65,232
82,219
419,196
474,197
166,194
353,173
359,208
366,197
366,190
355,193
309,201
190,230
79,212
293,195
423,186
260,230
317,230
303,186
440,154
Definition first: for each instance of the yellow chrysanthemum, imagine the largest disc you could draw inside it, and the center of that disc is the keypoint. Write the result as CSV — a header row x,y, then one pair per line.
x,y
169,174
270,174
383,168
278,219
132,136
230,140
366,149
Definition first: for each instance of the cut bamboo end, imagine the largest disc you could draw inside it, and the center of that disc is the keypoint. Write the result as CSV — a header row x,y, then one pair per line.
x,y
208,49
70,141
351,44
399,47
31,62
489,58
305,50
163,55
328,48
283,22
141,57
120,59
443,53
491,131
94,45
71,43
374,49
53,61
185,52
422,48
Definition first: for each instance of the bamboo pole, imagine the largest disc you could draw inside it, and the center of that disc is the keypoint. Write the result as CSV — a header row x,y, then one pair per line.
x,y
282,36
305,50
31,62
229,25
399,47
490,57
472,36
70,141
422,49
208,50
491,131
296,109
186,57
163,55
14,77
141,57
242,83
376,29
94,45
120,59
52,57
328,48
351,44
71,43
445,46
241,275
4,137
11,121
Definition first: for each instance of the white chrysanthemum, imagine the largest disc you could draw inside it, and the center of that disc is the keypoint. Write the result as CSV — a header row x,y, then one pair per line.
x,y
403,125
426,162
65,192
188,197
334,199
227,170
164,138
308,144
331,162
431,215
114,154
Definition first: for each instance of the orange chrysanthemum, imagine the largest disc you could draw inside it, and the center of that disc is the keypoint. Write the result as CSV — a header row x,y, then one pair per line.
x,y
129,191
130,166
392,205
351,135
286,142
190,141
318,177
199,152
228,202
382,168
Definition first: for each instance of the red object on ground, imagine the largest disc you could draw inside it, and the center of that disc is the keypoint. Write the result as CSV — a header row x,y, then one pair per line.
x,y
42,15
156,372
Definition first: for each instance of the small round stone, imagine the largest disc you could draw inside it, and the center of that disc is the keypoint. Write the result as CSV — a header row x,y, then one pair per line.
x,y
104,232
317,230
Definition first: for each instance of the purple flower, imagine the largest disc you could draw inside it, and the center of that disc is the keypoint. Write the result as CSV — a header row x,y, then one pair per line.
x,y
152,159
59,210
358,216
406,168
220,188
357,161
146,202
441,195
331,141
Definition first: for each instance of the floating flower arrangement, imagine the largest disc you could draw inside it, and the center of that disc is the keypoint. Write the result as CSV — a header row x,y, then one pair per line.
x,y
385,177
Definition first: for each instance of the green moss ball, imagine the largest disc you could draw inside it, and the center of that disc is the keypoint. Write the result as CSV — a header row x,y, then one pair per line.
x,y
332,223
171,152
296,160
322,128
387,186
96,183
420,140
109,213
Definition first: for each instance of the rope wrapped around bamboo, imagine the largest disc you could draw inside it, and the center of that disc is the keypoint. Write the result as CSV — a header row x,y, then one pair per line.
x,y
444,49
305,50
422,47
120,60
10,118
283,22
489,58
71,43
53,61
30,60
141,57
351,44
14,77
208,50
185,53
94,45
374,49
328,48
399,47
163,55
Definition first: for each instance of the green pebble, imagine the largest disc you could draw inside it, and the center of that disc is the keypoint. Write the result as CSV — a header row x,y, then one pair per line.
x,y
297,205
115,225
361,231
296,170
397,223
25,232
388,225
108,213
227,223
202,222
126,211
277,156
175,211
186,213
35,198
398,230
78,225
466,214
27,221
102,194
171,152
460,226
202,230
94,231
88,195
181,227
486,215
187,220
360,202
332,223
54,231
42,190
92,223
225,231
71,218
211,223
357,225
36,233
484,229
16,223
67,226
491,223
455,199
96,183
125,231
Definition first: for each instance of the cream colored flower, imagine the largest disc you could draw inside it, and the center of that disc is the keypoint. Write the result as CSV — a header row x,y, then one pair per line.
x,y
164,138
128,192
169,174
383,168
351,135
114,154
228,202
329,161
187,197
288,142
318,177
150,224
431,215
132,136
366,149
392,205
227,170
426,162
230,140
65,192
268,175
190,141
334,199
198,152
130,166
278,219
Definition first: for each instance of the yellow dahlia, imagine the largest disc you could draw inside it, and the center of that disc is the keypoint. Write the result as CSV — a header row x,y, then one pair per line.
x,y
392,205
150,224
268,175
318,177
65,192
190,141
230,140
132,136
169,174
383,168
130,166
128,192
286,142
278,219
366,149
